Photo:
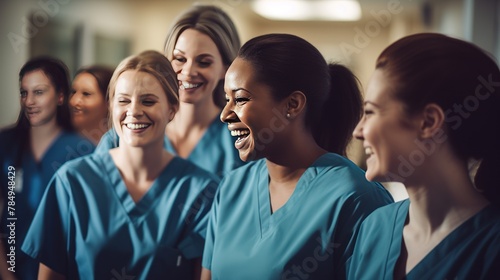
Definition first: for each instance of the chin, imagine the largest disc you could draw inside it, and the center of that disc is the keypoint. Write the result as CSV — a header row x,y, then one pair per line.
x,y
248,156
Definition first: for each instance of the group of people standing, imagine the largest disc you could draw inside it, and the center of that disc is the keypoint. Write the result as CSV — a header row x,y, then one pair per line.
x,y
229,162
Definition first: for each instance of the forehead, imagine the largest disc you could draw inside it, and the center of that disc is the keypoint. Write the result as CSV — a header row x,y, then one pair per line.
x,y
239,75
379,88
35,77
132,80
86,78
194,42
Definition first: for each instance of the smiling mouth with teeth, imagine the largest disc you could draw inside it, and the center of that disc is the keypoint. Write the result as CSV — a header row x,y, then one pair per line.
x,y
137,125
368,151
241,133
185,85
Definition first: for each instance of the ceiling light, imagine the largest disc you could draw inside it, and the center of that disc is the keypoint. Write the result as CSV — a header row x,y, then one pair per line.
x,y
302,10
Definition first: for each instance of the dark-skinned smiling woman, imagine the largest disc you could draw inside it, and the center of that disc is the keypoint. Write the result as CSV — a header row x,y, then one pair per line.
x,y
294,210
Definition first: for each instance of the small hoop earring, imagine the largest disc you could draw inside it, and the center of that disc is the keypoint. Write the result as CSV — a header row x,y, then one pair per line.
x,y
288,115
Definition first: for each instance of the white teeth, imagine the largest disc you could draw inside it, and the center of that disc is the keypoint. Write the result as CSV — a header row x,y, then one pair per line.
x,y
136,125
368,151
239,132
187,85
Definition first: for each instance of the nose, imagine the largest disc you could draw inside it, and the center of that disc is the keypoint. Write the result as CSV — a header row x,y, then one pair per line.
x,y
188,69
134,109
358,130
30,99
75,99
227,115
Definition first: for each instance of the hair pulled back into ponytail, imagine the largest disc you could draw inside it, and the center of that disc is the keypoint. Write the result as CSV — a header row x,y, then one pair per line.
x,y
287,63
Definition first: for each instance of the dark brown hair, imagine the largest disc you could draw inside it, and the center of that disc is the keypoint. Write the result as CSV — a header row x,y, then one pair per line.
x,y
287,63
464,81
102,74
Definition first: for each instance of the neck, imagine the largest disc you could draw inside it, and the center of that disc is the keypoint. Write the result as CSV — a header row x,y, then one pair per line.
x,y
47,131
142,163
94,132
288,167
194,115
445,200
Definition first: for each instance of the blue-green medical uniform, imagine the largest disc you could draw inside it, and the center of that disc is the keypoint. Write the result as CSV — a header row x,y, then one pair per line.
x,y
471,251
309,237
89,227
30,178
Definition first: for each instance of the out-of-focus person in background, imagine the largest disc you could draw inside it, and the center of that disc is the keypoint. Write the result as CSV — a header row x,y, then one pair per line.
x,y
137,210
30,153
201,45
432,108
88,104
294,210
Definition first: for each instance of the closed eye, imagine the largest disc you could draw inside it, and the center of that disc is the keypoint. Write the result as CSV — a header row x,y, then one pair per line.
x,y
149,102
205,64
179,59
367,113
241,100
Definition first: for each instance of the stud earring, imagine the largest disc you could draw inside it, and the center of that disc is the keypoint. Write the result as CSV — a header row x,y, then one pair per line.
x,y
288,115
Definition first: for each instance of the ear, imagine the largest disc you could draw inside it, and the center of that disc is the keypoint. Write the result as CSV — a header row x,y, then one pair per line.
x,y
433,119
171,112
60,99
296,104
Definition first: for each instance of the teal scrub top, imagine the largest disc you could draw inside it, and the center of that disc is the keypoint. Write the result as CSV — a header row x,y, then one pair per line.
x,y
31,179
471,251
89,227
310,237
215,152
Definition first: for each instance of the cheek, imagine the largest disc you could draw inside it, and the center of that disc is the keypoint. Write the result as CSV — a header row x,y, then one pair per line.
x,y
49,103
97,103
177,68
116,114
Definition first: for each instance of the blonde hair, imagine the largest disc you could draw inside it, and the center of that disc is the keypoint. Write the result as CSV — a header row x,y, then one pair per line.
x,y
154,63
216,24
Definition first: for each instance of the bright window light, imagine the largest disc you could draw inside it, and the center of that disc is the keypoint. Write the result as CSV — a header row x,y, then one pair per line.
x,y
302,10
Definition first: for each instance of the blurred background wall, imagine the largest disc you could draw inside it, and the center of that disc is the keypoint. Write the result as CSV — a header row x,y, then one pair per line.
x,y
105,31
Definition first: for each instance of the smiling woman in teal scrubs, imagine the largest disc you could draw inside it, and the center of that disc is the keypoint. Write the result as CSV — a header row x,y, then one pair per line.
x,y
30,153
201,44
425,110
294,210
136,211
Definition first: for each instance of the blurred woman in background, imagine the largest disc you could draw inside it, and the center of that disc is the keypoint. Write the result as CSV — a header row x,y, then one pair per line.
x,y
33,149
88,104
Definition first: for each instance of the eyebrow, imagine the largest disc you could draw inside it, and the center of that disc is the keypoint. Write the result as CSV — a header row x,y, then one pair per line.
x,y
240,89
140,95
36,87
178,51
371,103
200,55
149,95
